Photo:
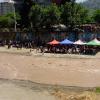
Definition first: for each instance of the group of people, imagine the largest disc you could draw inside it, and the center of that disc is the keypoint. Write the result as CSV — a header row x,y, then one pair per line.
x,y
72,49
37,43
43,47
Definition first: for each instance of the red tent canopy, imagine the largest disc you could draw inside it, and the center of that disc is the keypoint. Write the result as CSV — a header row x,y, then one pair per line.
x,y
54,42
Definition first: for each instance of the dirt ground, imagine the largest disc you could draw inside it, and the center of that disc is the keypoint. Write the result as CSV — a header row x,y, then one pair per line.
x,y
83,72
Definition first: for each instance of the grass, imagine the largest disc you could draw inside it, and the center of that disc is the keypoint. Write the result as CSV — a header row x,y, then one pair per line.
x,y
86,95
97,90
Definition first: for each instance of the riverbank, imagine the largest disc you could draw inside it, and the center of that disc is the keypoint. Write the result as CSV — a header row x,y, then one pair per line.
x,y
27,90
27,52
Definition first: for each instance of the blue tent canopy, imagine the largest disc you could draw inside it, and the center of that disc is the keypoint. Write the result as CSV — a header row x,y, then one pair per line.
x,y
66,41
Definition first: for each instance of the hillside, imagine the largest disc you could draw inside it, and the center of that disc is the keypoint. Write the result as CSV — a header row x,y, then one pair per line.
x,y
92,4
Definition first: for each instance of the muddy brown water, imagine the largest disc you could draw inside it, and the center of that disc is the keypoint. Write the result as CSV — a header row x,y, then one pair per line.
x,y
19,72
63,71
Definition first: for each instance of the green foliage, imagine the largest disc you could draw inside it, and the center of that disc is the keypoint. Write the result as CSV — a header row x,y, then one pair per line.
x,y
44,16
3,21
96,16
84,17
51,15
66,13
97,90
8,19
73,14
36,15
70,14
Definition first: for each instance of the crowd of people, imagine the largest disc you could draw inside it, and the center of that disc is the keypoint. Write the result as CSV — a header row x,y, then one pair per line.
x,y
43,47
72,49
37,43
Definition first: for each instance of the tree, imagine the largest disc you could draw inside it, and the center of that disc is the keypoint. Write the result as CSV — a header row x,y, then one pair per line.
x,y
82,16
51,15
73,14
26,7
44,16
24,12
36,16
66,16
8,20
96,16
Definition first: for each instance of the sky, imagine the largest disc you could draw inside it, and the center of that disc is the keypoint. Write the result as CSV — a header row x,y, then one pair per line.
x,y
80,0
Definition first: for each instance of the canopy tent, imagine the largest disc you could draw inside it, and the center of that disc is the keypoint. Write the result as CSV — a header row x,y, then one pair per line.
x,y
59,27
79,42
94,42
97,41
54,42
66,41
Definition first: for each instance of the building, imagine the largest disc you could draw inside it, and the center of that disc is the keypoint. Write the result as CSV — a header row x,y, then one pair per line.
x,y
8,6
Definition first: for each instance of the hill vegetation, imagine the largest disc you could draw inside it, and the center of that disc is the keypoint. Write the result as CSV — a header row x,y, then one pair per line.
x,y
92,4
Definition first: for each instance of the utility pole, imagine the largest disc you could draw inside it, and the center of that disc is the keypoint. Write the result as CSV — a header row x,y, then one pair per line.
x,y
15,24
14,12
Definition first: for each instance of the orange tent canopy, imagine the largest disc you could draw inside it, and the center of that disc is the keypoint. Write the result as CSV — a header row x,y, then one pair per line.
x,y
54,42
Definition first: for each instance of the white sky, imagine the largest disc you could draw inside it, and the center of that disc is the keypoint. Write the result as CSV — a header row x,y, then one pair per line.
x,y
80,0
